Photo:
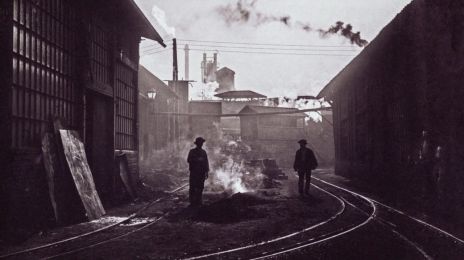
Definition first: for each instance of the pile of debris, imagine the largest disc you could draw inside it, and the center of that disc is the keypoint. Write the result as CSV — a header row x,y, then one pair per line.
x,y
163,179
236,208
271,171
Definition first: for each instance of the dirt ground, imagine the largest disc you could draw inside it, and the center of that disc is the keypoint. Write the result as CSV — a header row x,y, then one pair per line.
x,y
224,221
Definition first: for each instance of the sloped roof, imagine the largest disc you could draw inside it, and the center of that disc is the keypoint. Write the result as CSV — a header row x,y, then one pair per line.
x,y
148,81
271,110
139,21
239,94
376,46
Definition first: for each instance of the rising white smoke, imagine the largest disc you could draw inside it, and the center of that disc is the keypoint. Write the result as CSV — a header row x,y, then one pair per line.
x,y
229,172
203,91
160,19
302,104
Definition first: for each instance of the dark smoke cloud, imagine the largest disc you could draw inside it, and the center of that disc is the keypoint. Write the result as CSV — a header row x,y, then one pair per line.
x,y
346,31
245,12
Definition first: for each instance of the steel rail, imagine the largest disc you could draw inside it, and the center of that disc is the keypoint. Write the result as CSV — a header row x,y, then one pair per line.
x,y
324,222
76,250
60,242
330,236
457,239
389,225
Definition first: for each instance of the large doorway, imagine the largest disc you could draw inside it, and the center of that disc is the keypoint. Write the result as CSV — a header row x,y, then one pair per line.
x,y
99,142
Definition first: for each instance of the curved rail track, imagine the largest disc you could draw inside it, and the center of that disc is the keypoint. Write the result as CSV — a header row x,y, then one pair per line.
x,y
38,250
306,237
369,208
355,212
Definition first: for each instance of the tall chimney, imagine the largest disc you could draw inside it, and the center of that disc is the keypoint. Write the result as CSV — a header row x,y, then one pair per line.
x,y
214,62
203,69
186,62
175,71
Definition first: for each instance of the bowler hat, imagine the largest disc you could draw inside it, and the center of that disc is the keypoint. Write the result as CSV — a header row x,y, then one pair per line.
x,y
302,141
199,140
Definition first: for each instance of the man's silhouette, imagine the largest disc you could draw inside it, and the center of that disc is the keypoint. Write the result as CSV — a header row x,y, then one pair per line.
x,y
305,161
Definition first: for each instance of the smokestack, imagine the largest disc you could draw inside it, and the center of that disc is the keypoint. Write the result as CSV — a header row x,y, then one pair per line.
x,y
215,59
203,68
175,71
186,62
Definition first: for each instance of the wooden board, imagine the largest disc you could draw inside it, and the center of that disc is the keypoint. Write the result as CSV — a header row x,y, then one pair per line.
x,y
76,159
125,175
50,160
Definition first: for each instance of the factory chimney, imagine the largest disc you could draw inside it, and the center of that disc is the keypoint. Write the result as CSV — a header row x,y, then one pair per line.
x,y
203,69
175,71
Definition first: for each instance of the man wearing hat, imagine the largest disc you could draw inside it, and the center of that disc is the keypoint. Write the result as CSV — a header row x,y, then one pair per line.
x,y
305,161
199,168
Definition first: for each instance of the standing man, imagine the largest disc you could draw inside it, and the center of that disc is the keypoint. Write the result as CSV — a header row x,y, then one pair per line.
x,y
199,168
305,161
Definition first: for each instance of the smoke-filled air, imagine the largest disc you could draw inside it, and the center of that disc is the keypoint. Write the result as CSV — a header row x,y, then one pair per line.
x,y
244,11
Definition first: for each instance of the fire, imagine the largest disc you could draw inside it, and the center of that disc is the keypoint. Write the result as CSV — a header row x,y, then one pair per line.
x,y
229,173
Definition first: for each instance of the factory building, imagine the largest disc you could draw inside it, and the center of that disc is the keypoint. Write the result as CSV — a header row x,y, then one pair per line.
x,y
76,61
398,105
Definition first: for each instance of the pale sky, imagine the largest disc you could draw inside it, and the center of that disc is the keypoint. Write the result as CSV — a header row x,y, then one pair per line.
x,y
270,74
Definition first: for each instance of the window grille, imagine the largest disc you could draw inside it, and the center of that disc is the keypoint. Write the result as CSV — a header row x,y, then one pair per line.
x,y
125,95
100,51
44,68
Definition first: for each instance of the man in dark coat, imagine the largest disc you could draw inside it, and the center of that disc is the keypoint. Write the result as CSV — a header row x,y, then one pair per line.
x,y
305,161
199,168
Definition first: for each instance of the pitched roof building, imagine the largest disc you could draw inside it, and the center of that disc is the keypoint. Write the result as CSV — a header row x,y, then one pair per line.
x,y
402,91
76,61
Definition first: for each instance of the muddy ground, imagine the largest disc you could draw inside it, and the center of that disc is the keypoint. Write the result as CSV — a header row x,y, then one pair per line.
x,y
224,221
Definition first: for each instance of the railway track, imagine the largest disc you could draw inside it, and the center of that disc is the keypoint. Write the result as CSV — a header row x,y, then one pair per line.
x,y
356,212
330,228
420,235
93,238
401,225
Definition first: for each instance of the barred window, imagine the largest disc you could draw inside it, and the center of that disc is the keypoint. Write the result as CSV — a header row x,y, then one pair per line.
x,y
100,51
125,94
44,71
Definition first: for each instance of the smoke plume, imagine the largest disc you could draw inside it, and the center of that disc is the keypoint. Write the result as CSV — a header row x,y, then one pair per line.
x,y
244,11
346,31
160,17
301,103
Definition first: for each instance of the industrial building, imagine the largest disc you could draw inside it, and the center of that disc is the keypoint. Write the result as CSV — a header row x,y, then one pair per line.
x,y
72,60
398,105
272,135
156,130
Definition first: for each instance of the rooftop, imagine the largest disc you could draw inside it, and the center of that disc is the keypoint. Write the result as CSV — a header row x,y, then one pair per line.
x,y
148,81
239,94
272,110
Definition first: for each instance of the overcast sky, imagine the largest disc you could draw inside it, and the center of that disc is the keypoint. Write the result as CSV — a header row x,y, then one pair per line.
x,y
270,74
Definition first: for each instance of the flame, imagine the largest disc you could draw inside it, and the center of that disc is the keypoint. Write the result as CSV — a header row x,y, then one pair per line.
x,y
229,173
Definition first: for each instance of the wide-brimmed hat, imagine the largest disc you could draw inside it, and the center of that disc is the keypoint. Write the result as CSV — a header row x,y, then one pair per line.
x,y
302,141
199,140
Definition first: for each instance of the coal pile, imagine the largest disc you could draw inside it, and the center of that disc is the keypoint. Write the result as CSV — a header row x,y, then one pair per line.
x,y
236,208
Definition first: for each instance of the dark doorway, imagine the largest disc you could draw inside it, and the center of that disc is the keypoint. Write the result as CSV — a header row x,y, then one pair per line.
x,y
99,143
